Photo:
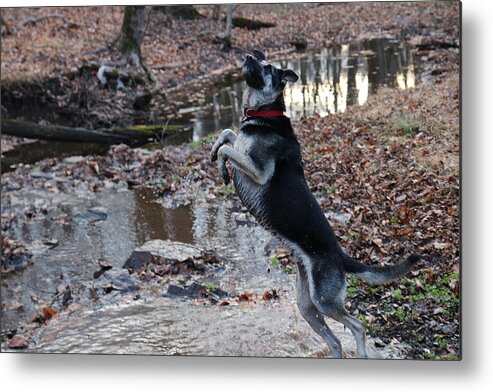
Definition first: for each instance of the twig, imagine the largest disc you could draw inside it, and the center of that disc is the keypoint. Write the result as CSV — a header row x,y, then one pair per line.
x,y
35,19
161,138
178,64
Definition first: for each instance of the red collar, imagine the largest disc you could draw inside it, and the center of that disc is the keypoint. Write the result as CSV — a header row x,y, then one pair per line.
x,y
262,113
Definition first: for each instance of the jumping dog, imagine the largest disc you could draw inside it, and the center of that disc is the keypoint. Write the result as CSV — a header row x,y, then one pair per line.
x,y
268,175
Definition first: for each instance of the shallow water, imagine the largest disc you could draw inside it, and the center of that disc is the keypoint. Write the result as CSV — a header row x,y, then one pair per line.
x,y
148,321
133,218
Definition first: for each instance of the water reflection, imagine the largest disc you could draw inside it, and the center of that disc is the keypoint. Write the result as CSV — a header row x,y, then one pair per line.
x,y
330,81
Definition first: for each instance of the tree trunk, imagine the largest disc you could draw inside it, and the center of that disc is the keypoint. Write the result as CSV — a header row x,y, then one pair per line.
x,y
131,36
8,30
229,27
132,32
216,11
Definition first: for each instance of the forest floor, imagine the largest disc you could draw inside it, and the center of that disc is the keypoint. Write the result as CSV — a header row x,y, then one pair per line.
x,y
391,165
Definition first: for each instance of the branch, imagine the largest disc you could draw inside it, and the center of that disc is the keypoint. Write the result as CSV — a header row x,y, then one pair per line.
x,y
35,19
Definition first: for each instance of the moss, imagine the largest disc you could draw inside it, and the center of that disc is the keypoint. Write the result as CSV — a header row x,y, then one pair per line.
x,y
156,128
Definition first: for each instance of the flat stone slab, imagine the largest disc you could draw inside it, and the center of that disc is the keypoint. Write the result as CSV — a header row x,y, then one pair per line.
x,y
178,251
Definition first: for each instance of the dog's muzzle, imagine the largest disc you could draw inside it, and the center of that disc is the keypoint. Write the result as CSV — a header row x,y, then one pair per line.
x,y
252,72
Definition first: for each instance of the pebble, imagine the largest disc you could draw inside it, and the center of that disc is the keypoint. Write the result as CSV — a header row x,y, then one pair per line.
x,y
74,159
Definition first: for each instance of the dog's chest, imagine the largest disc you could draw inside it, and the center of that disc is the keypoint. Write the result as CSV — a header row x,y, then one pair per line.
x,y
244,143
252,194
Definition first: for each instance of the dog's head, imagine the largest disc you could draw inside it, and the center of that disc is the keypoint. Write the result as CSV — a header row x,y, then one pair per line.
x,y
265,83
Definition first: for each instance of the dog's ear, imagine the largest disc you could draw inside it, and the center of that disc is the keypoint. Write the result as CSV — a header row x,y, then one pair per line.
x,y
259,55
289,76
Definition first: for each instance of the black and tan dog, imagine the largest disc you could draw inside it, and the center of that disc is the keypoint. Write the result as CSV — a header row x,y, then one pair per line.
x,y
268,175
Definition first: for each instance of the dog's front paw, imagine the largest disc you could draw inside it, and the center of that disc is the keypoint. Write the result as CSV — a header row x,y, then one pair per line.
x,y
215,148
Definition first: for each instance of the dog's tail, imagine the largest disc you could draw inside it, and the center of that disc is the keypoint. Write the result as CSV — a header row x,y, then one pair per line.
x,y
379,275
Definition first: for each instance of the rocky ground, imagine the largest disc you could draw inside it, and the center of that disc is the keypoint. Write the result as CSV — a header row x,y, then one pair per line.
x,y
390,167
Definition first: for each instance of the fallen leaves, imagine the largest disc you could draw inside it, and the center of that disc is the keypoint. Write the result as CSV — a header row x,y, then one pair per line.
x,y
270,295
245,297
47,314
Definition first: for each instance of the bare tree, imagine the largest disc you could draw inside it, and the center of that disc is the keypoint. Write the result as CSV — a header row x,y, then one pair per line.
x,y
216,11
131,35
8,28
229,27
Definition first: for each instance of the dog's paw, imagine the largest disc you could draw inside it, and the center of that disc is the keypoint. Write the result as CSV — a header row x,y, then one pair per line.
x,y
214,154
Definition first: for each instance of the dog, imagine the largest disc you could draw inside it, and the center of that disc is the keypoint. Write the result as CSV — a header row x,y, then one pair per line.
x,y
267,172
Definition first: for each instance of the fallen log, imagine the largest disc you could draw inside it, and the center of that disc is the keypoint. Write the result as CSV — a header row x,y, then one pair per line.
x,y
250,24
132,135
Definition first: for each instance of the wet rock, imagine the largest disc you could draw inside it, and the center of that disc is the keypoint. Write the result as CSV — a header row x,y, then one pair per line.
x,y
195,290
18,342
167,249
91,215
168,257
116,280
104,267
379,342
448,330
139,260
41,174
15,255
74,159
40,246
211,257
66,296
15,263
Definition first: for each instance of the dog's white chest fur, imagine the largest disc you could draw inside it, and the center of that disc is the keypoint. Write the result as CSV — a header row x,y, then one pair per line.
x,y
244,143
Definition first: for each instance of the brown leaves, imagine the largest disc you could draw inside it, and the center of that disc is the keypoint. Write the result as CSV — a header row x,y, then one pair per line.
x,y
407,231
270,295
47,314
245,297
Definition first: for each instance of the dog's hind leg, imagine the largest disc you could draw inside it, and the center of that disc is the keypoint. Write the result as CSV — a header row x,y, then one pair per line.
x,y
316,319
328,297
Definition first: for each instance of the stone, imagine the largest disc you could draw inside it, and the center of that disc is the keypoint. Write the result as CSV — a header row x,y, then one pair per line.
x,y
18,342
